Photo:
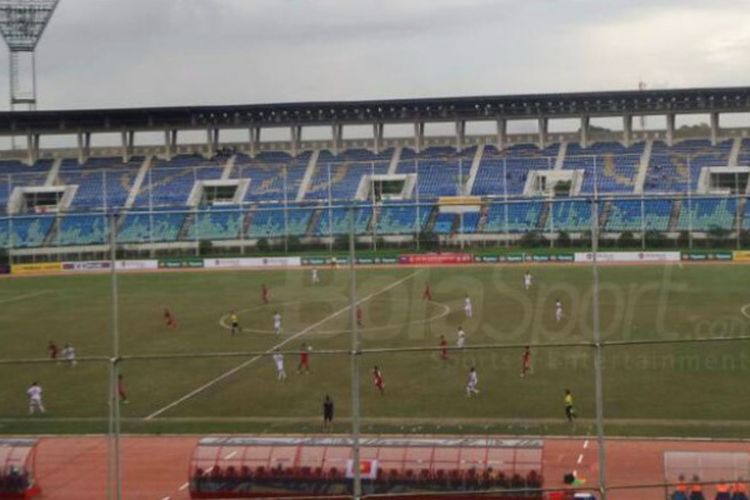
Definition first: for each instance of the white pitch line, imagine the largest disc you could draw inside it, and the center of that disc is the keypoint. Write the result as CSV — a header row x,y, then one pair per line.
x,y
230,455
24,297
184,486
580,459
585,444
252,360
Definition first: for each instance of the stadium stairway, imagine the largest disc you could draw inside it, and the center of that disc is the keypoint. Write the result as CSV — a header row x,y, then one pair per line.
x,y
640,178
314,221
393,165
50,239
184,233
734,153
674,216
247,221
560,160
53,171
604,215
136,187
226,174
741,208
307,178
543,216
475,162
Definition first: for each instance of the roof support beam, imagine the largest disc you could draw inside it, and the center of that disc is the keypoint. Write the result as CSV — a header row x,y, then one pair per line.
x,y
296,139
418,136
128,142
170,143
32,143
460,135
543,128
377,133
715,131
84,146
212,141
670,129
254,142
502,133
627,130
337,131
585,121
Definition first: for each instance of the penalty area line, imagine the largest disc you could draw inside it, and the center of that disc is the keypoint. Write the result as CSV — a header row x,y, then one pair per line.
x,y
252,360
25,296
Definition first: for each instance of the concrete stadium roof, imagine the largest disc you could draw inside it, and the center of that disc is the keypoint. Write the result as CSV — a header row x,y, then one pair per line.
x,y
444,109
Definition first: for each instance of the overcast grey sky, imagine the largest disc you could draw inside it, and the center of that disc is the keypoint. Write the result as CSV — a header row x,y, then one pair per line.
x,y
122,53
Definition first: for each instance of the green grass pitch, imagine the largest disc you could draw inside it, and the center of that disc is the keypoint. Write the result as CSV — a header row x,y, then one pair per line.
x,y
665,389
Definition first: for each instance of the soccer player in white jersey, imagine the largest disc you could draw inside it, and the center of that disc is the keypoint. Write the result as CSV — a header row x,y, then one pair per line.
x,y
471,384
559,315
278,359
315,278
467,306
527,280
277,323
461,339
34,392
69,354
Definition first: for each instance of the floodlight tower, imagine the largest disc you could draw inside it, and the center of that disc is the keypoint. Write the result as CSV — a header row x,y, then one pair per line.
x,y
22,23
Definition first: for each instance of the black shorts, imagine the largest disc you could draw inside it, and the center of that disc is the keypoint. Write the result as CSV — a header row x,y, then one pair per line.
x,y
235,324
569,412
328,416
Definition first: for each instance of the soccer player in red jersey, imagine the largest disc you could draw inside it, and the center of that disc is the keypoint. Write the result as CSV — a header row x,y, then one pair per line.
x,y
53,350
169,319
264,293
304,359
121,389
377,379
526,362
427,293
443,347
359,317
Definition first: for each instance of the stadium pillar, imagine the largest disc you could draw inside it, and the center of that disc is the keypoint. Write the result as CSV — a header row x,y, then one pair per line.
x,y
212,141
460,135
502,133
670,129
32,143
128,138
585,120
296,139
377,133
254,141
627,129
170,143
337,130
543,127
714,128
418,136
84,146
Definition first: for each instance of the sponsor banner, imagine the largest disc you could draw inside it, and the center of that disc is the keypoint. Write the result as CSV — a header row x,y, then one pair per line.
x,y
86,266
741,255
486,258
315,261
41,267
562,257
515,257
131,265
436,258
180,263
702,256
253,262
605,257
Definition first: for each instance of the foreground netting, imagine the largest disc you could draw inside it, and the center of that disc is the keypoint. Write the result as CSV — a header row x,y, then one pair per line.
x,y
245,467
17,458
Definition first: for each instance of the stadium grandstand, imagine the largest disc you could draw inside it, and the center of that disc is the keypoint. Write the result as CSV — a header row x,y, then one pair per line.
x,y
235,194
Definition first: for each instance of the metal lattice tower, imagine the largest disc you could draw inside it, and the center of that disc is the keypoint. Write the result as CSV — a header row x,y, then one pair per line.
x,y
22,23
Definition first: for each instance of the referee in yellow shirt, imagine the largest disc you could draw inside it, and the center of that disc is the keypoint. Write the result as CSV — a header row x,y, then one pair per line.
x,y
570,412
